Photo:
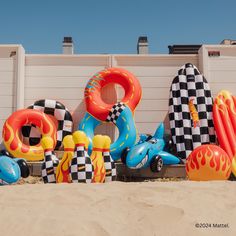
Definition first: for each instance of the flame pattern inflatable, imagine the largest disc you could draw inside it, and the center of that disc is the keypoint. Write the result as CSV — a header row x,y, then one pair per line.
x,y
97,159
224,116
12,128
208,162
63,169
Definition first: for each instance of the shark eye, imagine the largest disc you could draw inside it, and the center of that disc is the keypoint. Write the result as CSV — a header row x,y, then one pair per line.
x,y
152,141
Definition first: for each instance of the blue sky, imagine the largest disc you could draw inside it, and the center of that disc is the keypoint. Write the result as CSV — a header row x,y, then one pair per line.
x,y
113,26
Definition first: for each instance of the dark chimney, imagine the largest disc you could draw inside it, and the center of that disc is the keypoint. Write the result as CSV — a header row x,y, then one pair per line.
x,y
68,47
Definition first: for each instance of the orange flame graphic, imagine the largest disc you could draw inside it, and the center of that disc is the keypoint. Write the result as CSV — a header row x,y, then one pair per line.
x,y
62,172
208,162
99,168
193,113
11,133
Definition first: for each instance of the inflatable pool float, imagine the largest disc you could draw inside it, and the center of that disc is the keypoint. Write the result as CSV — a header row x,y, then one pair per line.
x,y
190,111
61,115
224,115
92,94
125,125
149,153
208,162
12,129
9,170
120,114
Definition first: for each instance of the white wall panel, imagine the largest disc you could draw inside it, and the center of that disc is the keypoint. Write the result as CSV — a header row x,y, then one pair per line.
x,y
64,77
222,74
7,87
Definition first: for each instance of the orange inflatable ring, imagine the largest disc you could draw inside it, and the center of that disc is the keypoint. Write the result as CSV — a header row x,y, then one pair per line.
x,y
12,133
94,103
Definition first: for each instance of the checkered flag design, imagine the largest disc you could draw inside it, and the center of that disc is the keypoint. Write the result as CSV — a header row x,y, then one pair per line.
x,y
81,169
31,135
188,85
110,167
49,167
115,112
56,109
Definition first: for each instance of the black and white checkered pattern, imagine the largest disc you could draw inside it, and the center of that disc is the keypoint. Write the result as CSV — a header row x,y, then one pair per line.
x,y
31,135
115,112
109,166
81,168
56,109
49,167
190,84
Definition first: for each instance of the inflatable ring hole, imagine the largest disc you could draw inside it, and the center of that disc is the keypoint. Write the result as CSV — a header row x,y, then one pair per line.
x,y
107,129
112,93
31,135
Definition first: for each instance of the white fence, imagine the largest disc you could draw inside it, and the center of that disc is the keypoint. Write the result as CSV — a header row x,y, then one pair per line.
x,y
27,78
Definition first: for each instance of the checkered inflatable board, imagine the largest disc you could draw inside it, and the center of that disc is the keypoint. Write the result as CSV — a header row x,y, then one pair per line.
x,y
190,84
65,124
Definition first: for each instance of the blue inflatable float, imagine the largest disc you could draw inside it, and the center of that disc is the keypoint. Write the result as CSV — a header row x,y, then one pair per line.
x,y
149,152
9,170
125,124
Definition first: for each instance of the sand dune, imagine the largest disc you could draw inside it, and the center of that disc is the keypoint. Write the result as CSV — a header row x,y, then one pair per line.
x,y
147,208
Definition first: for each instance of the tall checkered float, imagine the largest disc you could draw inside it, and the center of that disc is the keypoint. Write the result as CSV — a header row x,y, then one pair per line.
x,y
120,114
190,111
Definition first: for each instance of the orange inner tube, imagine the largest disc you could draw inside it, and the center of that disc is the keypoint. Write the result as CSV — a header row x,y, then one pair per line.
x,y
94,103
12,133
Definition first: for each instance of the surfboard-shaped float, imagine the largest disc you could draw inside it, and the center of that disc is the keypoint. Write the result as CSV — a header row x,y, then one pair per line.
x,y
224,115
190,111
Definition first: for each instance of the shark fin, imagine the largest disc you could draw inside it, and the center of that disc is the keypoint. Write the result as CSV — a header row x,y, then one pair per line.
x,y
159,134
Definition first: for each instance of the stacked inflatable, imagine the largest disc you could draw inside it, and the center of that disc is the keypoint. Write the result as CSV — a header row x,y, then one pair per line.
x,y
50,117
120,114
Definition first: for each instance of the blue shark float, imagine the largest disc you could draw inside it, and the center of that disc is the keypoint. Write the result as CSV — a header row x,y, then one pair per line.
x,y
149,152
11,169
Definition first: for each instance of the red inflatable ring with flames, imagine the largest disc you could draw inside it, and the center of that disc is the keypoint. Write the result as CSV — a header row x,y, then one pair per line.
x,y
12,133
94,103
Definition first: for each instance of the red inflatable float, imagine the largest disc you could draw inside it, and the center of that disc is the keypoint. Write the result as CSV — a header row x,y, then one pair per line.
x,y
224,116
94,103
12,132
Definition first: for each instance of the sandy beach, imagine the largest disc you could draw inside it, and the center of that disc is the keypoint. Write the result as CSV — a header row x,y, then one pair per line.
x,y
118,208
